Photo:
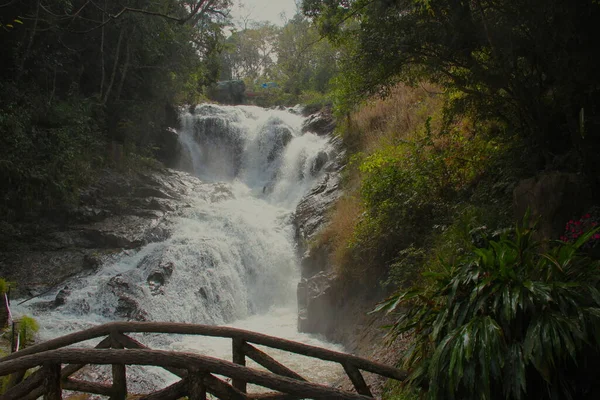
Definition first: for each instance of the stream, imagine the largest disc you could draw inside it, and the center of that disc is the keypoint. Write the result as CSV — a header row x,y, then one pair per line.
x,y
231,257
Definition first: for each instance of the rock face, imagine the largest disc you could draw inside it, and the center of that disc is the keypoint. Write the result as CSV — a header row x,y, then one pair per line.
x,y
553,198
311,213
316,300
319,291
321,123
117,212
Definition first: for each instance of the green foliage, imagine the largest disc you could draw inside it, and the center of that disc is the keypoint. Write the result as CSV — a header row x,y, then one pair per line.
x,y
74,80
5,286
508,321
413,188
28,327
49,153
394,390
494,55
294,57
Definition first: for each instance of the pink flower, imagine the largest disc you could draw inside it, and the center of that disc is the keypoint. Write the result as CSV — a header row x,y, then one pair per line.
x,y
587,216
597,236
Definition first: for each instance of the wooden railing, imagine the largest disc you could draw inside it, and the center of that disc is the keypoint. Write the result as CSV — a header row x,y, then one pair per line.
x,y
197,372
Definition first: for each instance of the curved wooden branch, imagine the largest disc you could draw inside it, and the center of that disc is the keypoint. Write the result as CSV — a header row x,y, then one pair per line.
x,y
215,331
177,360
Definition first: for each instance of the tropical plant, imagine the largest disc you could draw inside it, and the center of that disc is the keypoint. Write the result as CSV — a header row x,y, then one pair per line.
x,y
508,321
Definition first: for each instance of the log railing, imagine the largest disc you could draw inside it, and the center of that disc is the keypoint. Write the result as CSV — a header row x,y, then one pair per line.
x,y
197,372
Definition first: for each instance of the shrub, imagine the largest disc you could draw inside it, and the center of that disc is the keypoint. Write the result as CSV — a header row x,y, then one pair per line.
x,y
4,286
507,321
28,327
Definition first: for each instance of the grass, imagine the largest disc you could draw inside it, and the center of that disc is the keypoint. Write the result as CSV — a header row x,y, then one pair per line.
x,y
381,122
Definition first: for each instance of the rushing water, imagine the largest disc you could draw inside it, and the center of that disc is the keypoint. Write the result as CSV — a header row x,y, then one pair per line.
x,y
232,256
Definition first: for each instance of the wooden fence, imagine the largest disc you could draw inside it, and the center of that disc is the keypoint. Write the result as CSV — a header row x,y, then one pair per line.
x,y
57,364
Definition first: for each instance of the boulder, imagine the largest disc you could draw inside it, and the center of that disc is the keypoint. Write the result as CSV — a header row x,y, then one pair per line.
x,y
321,124
279,137
62,296
318,163
126,292
158,277
317,298
228,92
552,198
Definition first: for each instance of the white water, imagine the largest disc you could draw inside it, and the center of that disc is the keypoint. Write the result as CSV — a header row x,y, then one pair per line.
x,y
233,252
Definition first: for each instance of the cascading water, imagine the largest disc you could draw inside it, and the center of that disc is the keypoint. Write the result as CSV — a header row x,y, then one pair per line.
x,y
231,257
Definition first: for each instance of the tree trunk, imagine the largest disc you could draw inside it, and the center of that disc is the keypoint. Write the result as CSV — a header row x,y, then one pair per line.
x,y
125,65
102,67
115,67
29,43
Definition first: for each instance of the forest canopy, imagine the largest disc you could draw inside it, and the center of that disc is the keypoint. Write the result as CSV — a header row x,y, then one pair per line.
x,y
530,63
79,74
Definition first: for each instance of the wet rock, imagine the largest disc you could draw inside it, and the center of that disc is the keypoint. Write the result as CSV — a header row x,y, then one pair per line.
x,y
128,307
321,124
92,261
62,296
318,163
89,214
277,139
312,210
119,283
153,192
158,277
126,293
317,298
202,293
117,212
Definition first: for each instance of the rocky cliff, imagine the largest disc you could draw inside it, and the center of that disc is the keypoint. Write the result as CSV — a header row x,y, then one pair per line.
x,y
118,212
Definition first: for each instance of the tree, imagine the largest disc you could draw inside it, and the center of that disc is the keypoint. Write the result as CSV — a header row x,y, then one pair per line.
x,y
305,61
77,74
250,53
530,62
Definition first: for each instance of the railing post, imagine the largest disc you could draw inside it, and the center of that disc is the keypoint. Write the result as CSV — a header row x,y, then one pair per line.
x,y
196,387
52,388
119,375
239,357
357,379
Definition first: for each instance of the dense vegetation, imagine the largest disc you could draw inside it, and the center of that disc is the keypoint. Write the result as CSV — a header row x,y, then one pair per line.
x,y
77,76
281,65
444,107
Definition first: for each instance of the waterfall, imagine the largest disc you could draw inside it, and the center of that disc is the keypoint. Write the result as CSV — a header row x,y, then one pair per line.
x,y
231,257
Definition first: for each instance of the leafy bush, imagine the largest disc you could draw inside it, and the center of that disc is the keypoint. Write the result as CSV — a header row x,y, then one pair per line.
x,y
409,188
508,321
419,178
